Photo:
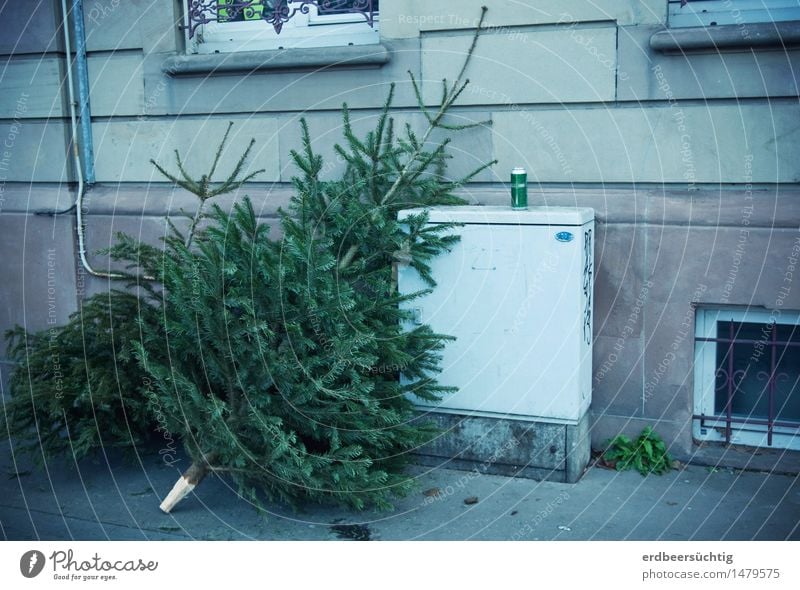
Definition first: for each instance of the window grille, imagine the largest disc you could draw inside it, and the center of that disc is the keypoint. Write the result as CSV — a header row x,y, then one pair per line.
x,y
747,369
275,12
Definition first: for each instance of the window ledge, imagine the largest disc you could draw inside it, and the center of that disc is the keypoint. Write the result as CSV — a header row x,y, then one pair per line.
x,y
778,35
278,59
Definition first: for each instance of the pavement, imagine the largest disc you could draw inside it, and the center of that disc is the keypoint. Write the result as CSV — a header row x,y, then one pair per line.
x,y
108,497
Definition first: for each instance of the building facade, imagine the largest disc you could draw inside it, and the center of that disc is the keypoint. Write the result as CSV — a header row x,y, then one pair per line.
x,y
679,125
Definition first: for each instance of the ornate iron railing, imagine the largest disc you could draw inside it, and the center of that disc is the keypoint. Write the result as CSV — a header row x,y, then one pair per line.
x,y
275,12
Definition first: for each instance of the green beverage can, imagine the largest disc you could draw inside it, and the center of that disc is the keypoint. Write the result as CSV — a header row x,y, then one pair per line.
x,y
519,188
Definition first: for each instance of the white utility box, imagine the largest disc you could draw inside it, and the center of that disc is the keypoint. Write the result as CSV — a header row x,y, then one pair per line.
x,y
516,292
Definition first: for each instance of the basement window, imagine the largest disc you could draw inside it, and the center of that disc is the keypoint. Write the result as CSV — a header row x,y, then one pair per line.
x,y
228,26
747,377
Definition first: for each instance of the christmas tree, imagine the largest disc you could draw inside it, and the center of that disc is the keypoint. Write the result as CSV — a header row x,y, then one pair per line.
x,y
287,356
275,361
78,387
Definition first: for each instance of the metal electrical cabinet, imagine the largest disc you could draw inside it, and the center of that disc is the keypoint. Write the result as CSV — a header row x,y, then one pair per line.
x,y
516,292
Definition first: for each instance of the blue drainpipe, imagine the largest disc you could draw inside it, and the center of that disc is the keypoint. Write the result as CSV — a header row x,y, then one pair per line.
x,y
84,162
84,108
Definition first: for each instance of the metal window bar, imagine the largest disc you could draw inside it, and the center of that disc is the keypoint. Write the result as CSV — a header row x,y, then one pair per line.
x,y
275,12
731,386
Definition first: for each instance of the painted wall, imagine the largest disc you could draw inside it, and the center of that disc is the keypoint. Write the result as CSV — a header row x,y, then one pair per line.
x,y
690,160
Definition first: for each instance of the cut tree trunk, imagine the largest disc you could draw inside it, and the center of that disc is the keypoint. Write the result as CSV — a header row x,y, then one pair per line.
x,y
188,481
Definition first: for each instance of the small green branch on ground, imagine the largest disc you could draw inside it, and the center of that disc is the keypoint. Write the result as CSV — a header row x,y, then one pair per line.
x,y
647,454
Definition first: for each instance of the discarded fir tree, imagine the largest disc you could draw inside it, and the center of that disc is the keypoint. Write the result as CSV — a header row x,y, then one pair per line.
x,y
275,361
77,387
285,355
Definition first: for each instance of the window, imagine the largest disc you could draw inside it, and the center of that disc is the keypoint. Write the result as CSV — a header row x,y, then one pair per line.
x,y
233,25
707,13
747,377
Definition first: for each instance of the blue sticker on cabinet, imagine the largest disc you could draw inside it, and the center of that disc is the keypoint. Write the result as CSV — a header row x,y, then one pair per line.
x,y
564,236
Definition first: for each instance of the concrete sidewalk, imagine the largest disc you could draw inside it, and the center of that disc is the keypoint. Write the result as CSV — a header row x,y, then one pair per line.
x,y
110,498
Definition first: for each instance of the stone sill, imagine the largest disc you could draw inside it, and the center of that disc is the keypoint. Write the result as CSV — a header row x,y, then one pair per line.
x,y
278,59
775,209
776,35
